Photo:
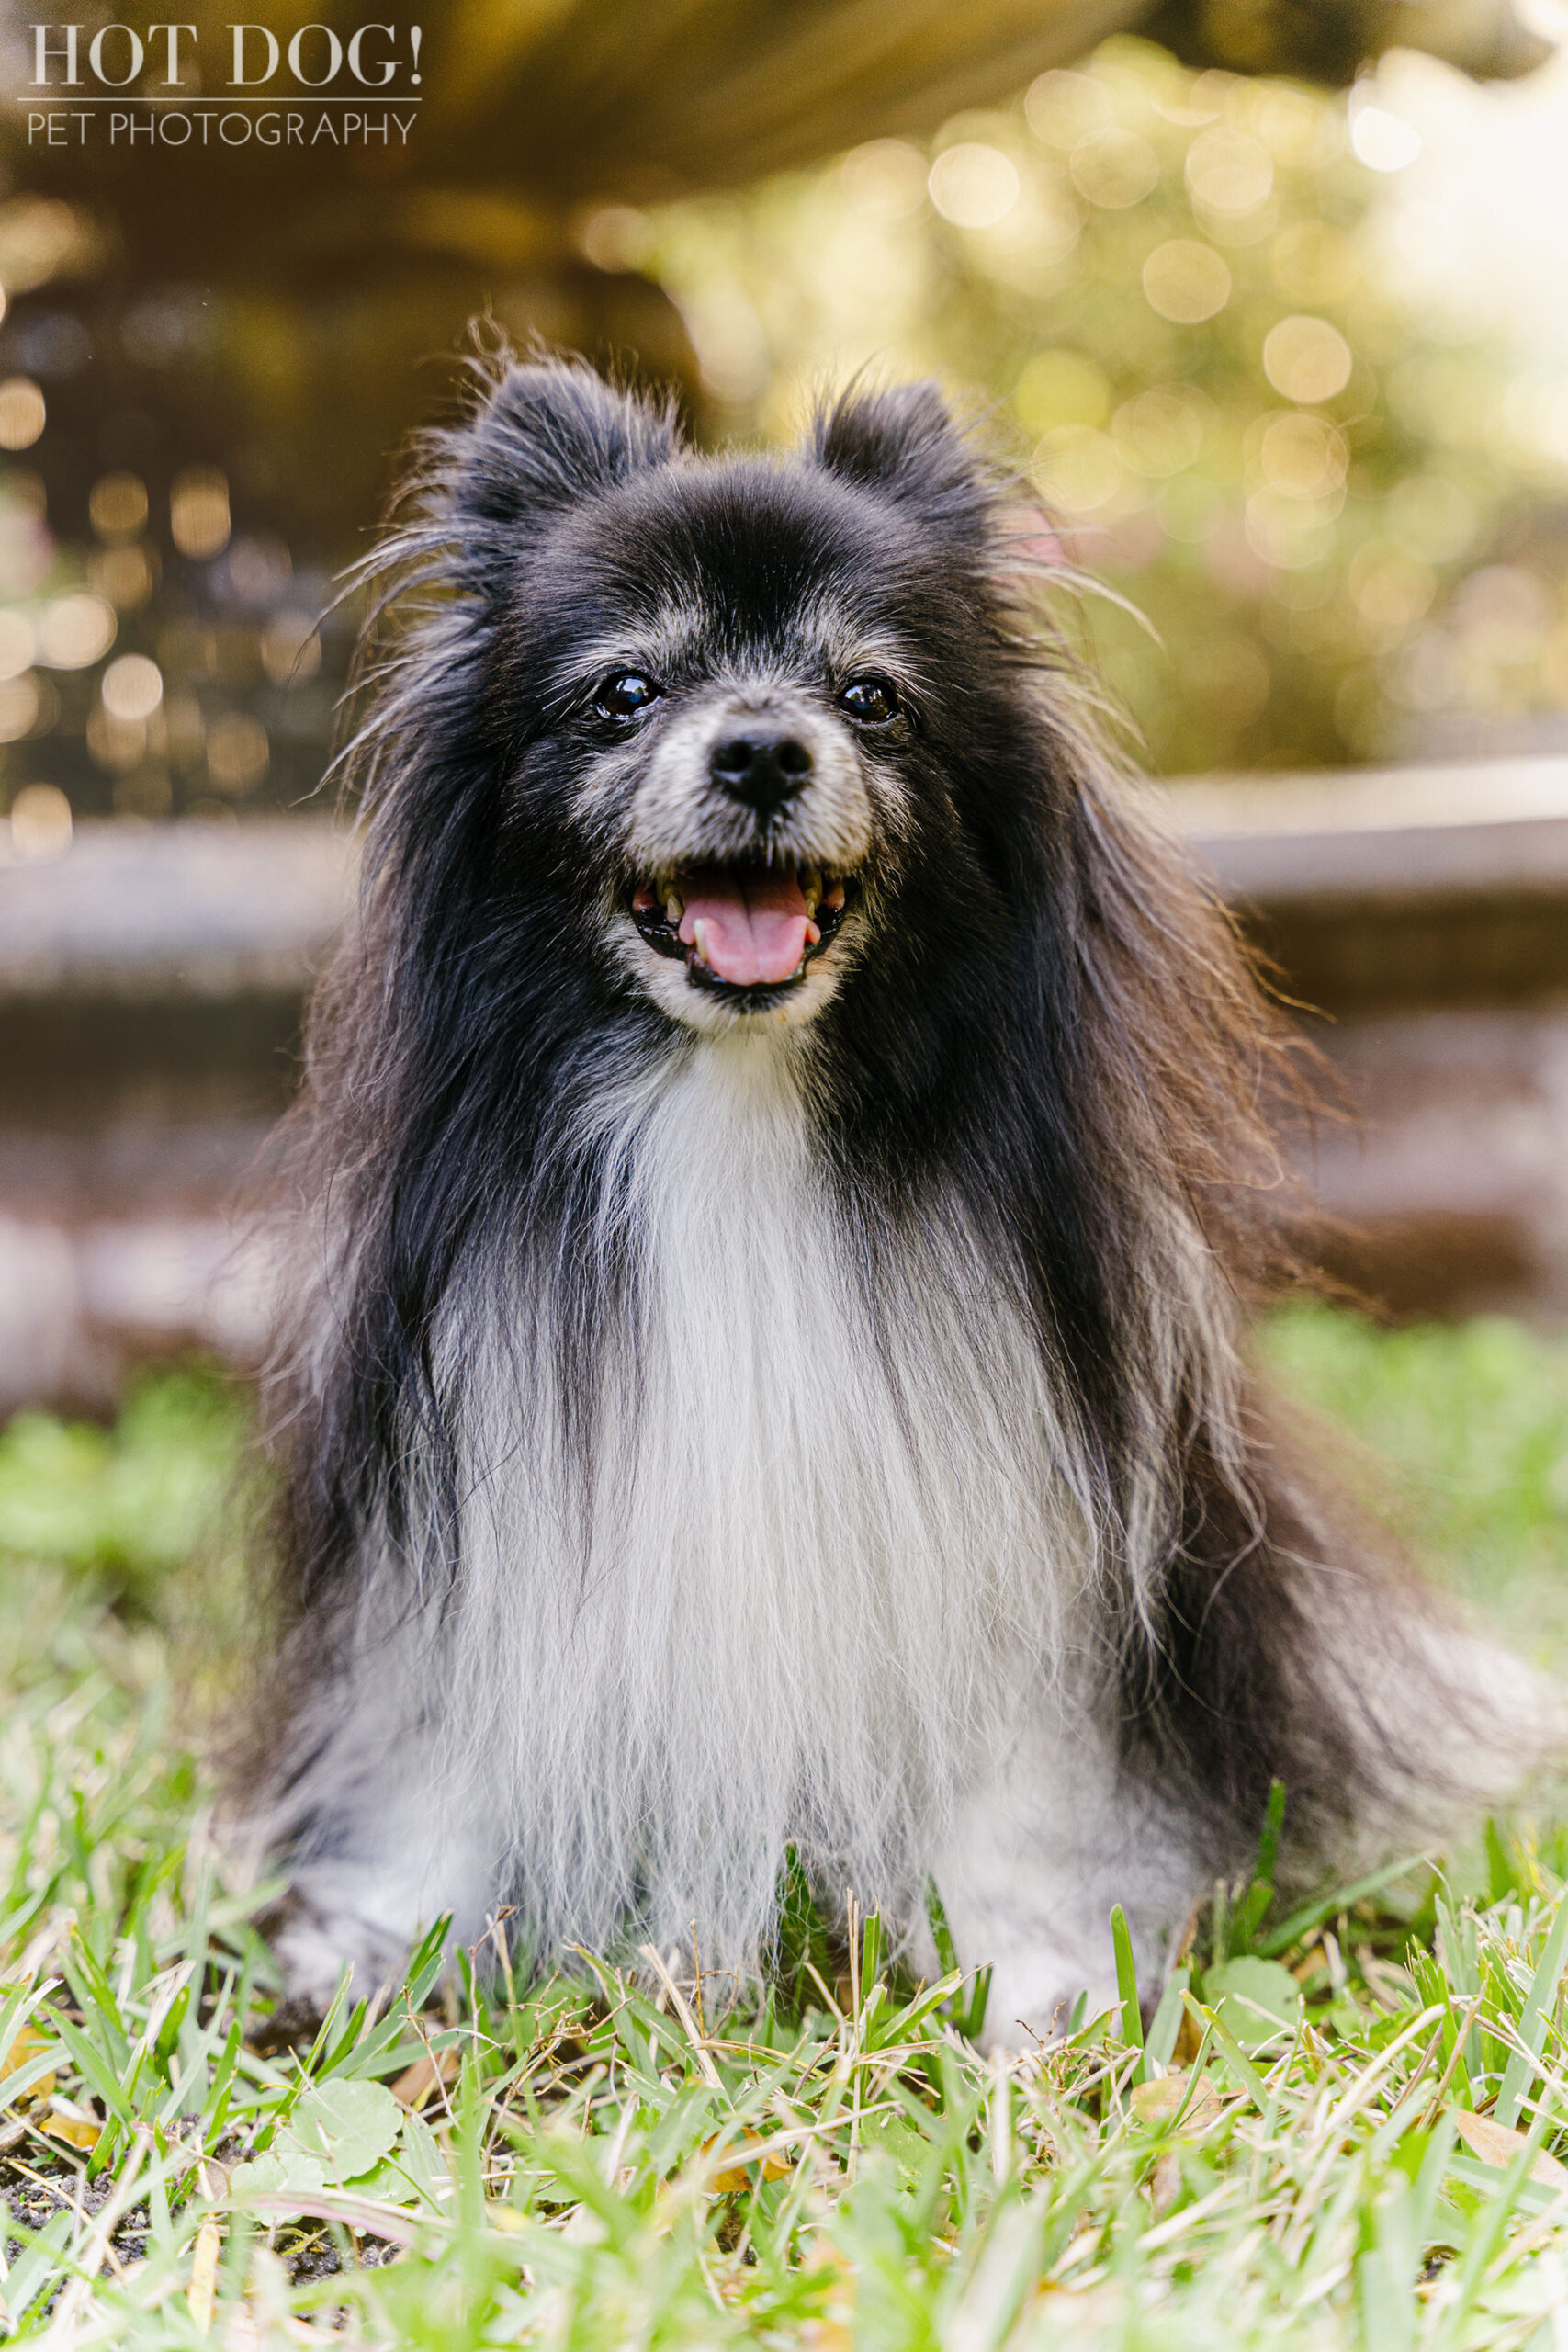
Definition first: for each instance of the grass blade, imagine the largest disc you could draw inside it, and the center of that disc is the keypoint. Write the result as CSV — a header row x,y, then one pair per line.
x,y
1534,2017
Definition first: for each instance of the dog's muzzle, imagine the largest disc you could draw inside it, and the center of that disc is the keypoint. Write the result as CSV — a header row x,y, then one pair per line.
x,y
748,925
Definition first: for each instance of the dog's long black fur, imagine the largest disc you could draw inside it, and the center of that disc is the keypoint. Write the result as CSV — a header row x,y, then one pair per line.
x,y
1046,1025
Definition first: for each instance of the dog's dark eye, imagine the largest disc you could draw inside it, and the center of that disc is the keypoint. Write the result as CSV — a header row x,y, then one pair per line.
x,y
623,694
871,700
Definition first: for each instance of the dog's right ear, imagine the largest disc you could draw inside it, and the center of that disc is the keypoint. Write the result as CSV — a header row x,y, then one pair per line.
x,y
903,441
550,434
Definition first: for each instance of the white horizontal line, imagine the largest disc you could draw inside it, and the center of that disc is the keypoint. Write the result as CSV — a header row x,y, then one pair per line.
x,y
69,98
1525,789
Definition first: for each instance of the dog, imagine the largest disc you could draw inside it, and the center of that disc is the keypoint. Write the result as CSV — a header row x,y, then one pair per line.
x,y
786,1162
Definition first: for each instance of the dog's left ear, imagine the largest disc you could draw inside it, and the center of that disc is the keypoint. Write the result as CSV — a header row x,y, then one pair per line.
x,y
902,442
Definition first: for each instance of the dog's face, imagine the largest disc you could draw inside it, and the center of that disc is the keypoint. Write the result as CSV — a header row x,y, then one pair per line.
x,y
742,672
747,777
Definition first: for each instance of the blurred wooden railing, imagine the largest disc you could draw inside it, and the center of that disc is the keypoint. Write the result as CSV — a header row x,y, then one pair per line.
x,y
151,981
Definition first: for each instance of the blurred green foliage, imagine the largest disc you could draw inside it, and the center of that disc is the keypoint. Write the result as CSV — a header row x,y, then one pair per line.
x,y
129,1504
1460,1433
1167,292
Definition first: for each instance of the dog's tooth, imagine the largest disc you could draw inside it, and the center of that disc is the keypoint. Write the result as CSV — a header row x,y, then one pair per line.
x,y
674,907
700,933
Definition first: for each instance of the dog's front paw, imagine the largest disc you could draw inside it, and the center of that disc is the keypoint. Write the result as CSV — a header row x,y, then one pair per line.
x,y
314,1944
1033,1999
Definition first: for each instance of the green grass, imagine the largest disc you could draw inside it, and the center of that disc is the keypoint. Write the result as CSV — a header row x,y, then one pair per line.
x,y
1298,2155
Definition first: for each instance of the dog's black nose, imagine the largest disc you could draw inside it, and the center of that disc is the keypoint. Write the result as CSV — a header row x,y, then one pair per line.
x,y
764,771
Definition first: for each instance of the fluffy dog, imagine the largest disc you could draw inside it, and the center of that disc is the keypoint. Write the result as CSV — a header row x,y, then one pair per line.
x,y
786,1163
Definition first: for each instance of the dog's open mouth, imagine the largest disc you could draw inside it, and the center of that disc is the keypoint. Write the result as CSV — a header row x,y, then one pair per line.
x,y
744,927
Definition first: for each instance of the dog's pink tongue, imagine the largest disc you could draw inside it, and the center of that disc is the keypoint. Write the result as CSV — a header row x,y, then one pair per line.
x,y
755,923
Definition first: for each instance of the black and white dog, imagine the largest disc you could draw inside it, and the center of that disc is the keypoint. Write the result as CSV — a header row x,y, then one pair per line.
x,y
787,1166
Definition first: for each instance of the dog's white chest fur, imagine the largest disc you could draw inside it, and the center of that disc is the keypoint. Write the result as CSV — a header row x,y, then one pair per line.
x,y
826,1536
